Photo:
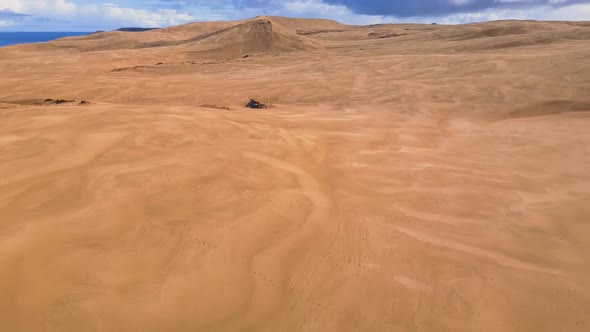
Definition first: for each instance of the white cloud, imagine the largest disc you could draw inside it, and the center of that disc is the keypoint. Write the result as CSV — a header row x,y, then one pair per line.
x,y
70,15
579,12
40,6
318,9
460,2
315,6
88,15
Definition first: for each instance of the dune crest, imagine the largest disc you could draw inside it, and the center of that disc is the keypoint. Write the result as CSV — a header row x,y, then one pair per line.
x,y
255,36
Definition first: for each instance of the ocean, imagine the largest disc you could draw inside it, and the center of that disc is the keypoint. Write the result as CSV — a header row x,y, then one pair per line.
x,y
11,38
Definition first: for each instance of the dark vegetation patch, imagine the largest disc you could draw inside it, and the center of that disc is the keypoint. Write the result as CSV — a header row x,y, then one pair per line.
x,y
383,35
217,107
61,101
192,62
126,68
315,32
46,102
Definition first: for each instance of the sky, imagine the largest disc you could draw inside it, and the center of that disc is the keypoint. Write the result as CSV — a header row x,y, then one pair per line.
x,y
93,15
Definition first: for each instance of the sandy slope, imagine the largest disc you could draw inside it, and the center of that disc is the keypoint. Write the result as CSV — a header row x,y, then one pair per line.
x,y
408,178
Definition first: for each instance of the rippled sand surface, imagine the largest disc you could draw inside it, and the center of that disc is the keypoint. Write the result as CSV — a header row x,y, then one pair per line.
x,y
405,178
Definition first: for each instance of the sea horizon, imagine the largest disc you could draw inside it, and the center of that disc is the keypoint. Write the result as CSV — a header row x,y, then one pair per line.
x,y
8,38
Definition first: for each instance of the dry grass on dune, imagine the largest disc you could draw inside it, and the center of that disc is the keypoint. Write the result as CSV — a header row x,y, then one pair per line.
x,y
404,178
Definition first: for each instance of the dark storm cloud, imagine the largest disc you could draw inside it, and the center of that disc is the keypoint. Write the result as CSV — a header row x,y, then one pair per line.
x,y
398,8
411,8
9,15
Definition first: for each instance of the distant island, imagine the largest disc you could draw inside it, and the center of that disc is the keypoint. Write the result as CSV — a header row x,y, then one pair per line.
x,y
132,29
135,29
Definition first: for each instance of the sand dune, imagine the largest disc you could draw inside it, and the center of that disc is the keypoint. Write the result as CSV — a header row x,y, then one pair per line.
x,y
406,178
258,35
250,37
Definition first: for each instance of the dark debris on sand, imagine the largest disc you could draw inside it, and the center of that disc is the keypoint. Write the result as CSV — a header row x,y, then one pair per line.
x,y
256,104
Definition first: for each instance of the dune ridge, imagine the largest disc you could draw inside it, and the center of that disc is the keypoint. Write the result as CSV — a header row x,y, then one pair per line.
x,y
266,34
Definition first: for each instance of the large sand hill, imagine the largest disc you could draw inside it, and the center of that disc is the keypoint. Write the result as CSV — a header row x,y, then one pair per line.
x,y
406,178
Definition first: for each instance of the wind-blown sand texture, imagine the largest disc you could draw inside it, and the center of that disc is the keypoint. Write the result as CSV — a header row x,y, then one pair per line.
x,y
405,178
